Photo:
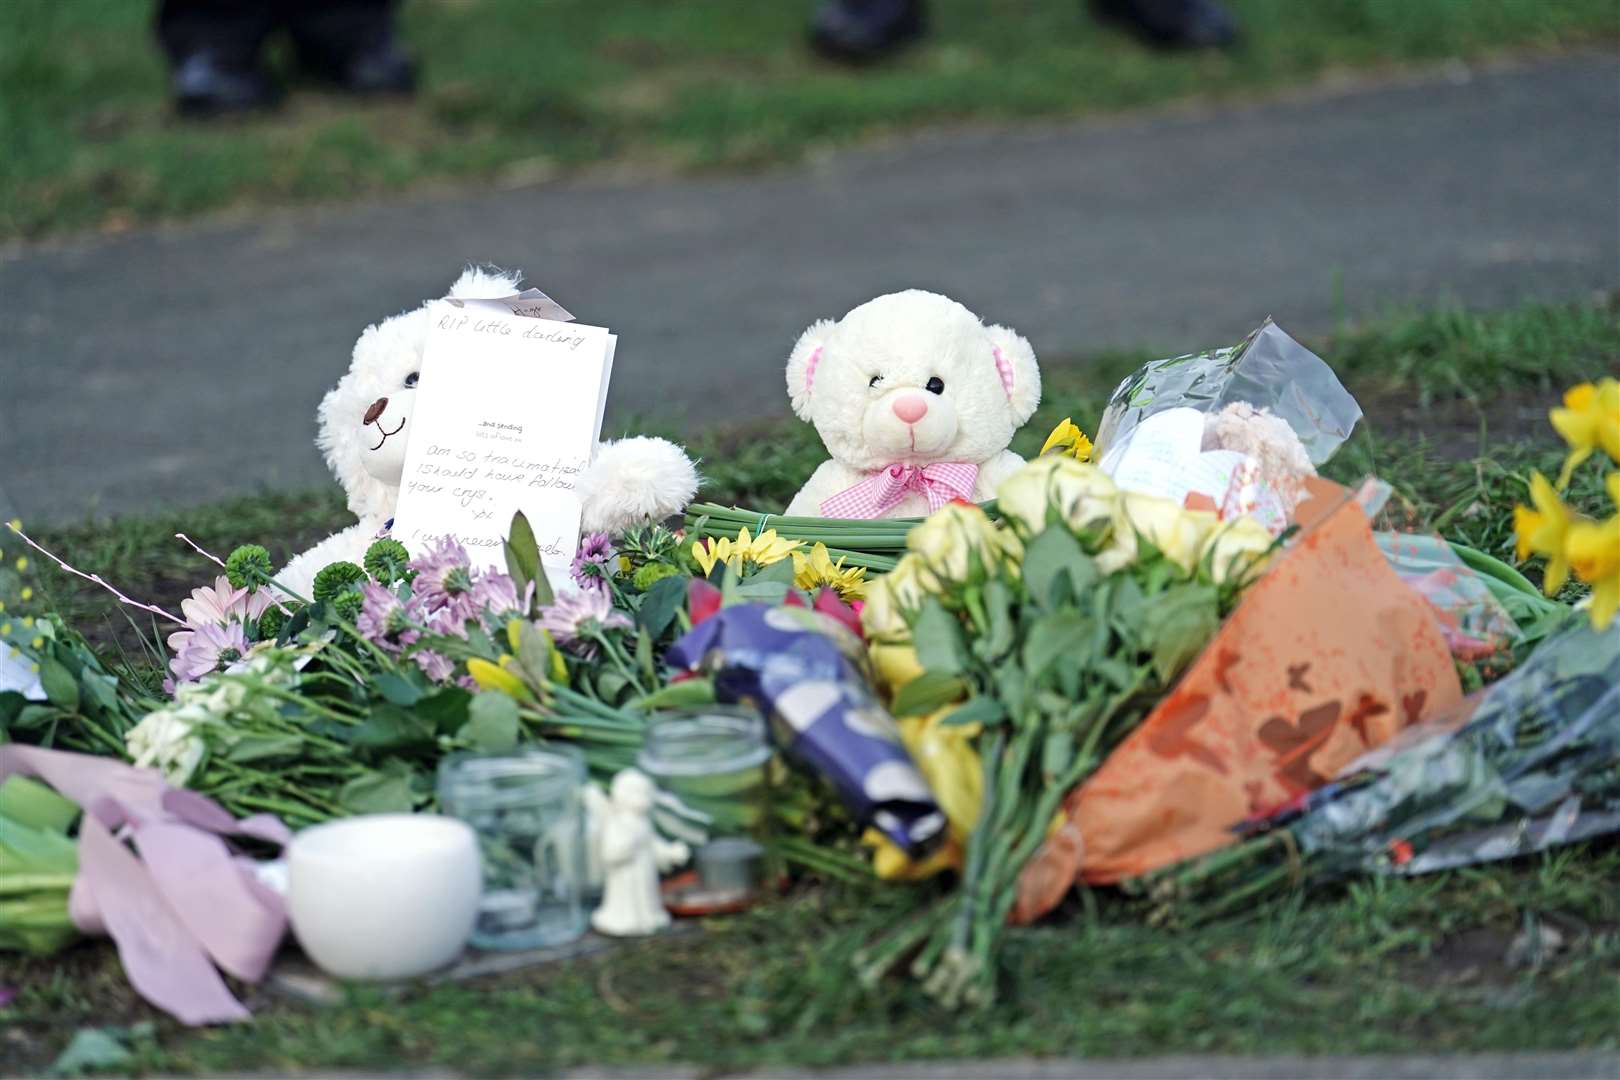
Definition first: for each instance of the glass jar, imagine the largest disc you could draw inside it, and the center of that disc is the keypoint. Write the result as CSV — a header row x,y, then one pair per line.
x,y
526,809
714,766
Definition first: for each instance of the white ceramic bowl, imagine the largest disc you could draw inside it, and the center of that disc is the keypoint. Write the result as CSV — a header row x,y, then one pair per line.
x,y
383,896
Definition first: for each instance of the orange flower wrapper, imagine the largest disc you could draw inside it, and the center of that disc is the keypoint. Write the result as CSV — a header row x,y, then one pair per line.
x,y
1328,655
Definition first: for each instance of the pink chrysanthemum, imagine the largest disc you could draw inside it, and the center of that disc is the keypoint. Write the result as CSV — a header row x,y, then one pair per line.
x,y
575,617
221,604
205,649
384,620
594,562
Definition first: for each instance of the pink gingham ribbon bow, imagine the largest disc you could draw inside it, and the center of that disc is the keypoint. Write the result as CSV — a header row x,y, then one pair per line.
x,y
877,494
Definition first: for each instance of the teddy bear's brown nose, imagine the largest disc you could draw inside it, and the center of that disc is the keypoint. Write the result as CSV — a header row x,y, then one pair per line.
x,y
376,410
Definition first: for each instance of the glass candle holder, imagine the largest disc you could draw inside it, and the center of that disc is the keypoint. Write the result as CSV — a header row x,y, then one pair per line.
x,y
715,764
526,808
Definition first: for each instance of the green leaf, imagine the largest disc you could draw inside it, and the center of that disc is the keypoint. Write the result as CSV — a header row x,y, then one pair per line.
x,y
779,571
60,686
1177,625
759,591
644,656
522,554
445,710
534,652
492,723
610,685
927,693
1054,561
396,689
35,716
26,801
998,605
380,791
937,636
92,1048
389,729
660,603
979,710
1063,633
264,748
102,692
11,705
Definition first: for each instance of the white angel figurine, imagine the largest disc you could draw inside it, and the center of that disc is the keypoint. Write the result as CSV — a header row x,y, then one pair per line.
x,y
630,854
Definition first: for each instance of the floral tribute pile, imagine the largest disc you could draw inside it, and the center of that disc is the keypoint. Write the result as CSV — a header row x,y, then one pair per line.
x,y
1074,684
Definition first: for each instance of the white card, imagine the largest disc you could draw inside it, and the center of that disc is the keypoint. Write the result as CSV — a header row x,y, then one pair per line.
x,y
1159,455
507,416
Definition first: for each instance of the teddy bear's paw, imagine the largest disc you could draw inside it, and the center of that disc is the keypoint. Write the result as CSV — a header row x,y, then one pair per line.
x,y
635,480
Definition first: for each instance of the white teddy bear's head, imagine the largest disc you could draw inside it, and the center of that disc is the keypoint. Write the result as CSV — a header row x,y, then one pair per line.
x,y
915,378
364,421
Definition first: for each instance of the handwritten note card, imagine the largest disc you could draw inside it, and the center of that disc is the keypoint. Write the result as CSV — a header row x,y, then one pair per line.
x,y
509,407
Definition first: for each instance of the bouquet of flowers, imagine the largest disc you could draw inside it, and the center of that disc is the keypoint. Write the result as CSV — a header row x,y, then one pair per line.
x,y
1037,645
1530,762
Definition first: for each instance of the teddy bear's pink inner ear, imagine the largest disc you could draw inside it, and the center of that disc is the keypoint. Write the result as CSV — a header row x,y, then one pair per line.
x,y
1004,369
810,369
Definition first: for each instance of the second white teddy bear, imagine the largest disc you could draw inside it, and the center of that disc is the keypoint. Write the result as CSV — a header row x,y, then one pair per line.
x,y
916,400
364,426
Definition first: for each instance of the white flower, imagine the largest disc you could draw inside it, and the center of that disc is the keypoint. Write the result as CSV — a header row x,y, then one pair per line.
x,y
1177,532
950,539
1237,551
1083,494
168,741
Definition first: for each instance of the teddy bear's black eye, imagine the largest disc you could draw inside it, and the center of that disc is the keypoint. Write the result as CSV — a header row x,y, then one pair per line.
x,y
410,380
875,380
936,385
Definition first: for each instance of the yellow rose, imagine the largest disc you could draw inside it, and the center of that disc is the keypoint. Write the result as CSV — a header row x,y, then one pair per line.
x,y
1177,532
1083,494
1237,551
892,595
951,539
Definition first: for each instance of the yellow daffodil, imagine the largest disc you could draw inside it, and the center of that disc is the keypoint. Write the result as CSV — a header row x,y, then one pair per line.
x,y
766,548
1588,421
711,551
1544,531
817,571
490,676
27,593
1069,440
1593,549
744,552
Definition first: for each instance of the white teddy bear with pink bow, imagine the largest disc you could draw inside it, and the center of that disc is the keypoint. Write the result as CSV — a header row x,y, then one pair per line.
x,y
916,400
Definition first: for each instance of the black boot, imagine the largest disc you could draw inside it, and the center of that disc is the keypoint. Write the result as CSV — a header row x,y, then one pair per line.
x,y
205,85
1172,24
855,31
350,44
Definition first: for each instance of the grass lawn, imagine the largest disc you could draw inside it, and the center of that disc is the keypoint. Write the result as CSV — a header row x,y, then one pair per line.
x,y
516,90
1457,404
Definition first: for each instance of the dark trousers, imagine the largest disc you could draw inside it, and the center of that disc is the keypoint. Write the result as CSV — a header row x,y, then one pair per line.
x,y
325,32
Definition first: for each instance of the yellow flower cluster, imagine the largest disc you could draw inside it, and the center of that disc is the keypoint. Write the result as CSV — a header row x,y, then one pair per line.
x,y
1589,421
1082,497
745,552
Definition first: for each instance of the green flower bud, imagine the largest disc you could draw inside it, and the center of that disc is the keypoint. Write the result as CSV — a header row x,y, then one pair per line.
x,y
653,571
336,578
387,561
248,567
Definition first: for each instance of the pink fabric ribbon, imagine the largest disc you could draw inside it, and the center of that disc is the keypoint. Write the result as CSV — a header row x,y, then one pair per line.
x,y
879,493
186,903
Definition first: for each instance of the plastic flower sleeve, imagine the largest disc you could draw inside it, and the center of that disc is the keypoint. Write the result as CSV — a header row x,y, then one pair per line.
x,y
791,664
1268,369
1528,763
1477,628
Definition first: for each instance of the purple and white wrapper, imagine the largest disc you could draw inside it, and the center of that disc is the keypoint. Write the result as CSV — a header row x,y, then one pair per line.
x,y
790,664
